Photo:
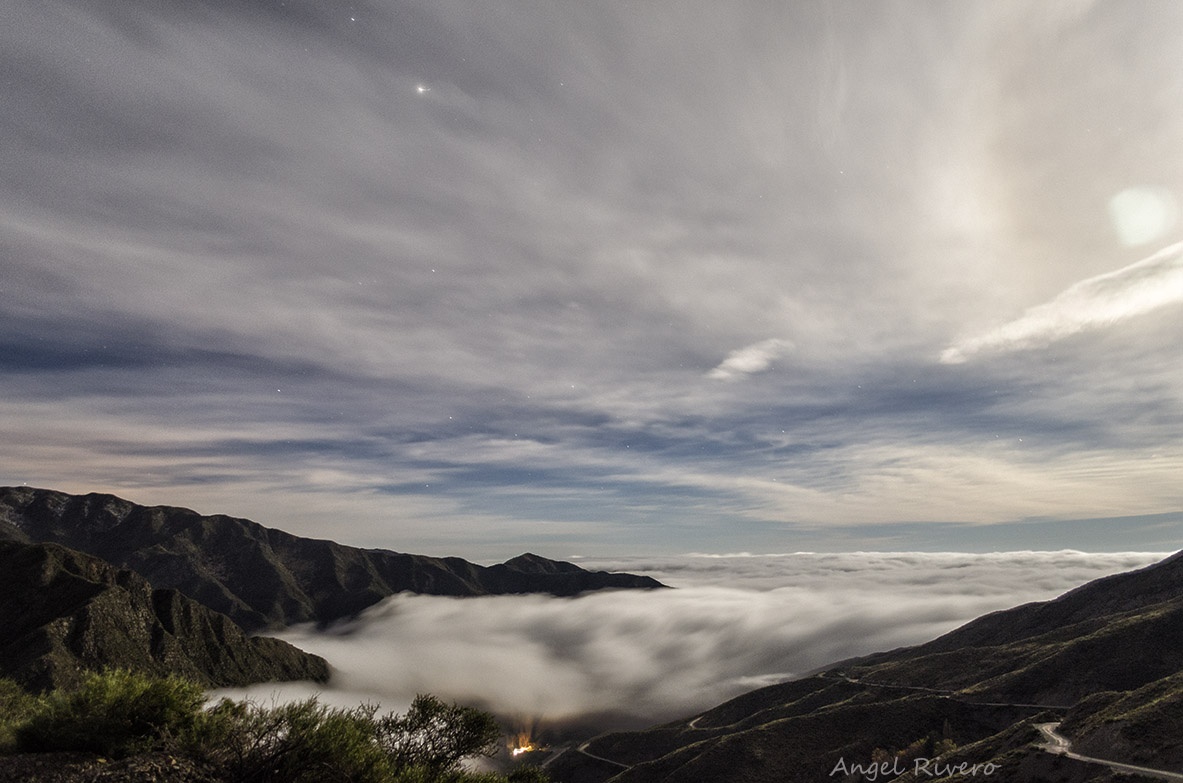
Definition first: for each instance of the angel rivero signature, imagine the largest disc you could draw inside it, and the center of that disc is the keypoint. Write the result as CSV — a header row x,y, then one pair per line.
x,y
921,767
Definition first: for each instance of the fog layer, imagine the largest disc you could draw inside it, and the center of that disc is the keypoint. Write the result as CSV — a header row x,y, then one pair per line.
x,y
732,624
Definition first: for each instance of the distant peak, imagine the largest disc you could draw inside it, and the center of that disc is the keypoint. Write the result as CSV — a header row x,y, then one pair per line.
x,y
531,563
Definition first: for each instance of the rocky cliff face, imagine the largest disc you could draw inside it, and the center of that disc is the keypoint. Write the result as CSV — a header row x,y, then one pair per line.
x,y
65,612
266,578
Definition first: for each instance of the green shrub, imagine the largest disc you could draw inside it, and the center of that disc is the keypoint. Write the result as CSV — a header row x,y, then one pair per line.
x,y
118,713
437,736
15,708
307,741
528,775
115,713
300,741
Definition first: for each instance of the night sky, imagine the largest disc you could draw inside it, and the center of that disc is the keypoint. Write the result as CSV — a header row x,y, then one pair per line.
x,y
599,278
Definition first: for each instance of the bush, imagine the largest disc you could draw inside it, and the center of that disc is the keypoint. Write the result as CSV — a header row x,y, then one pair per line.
x,y
307,741
15,708
115,713
436,736
301,741
118,713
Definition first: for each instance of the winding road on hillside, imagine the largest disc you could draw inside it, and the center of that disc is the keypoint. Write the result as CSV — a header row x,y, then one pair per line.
x,y
1056,743
583,749
1061,746
957,696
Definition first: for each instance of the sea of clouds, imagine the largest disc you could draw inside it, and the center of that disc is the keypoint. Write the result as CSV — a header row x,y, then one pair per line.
x,y
629,658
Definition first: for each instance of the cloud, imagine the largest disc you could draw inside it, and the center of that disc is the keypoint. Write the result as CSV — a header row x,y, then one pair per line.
x,y
733,623
752,359
1099,301
250,268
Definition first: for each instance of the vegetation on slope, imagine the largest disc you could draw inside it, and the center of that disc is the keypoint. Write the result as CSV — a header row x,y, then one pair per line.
x,y
118,715
1143,726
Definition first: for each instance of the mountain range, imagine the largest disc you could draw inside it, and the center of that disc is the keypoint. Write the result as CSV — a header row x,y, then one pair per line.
x,y
95,581
1105,661
263,578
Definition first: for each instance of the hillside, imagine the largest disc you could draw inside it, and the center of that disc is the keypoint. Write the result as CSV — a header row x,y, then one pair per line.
x,y
66,612
265,578
1106,658
1116,633
1143,726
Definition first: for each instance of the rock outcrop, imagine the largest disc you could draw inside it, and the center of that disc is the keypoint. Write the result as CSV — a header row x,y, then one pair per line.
x,y
65,613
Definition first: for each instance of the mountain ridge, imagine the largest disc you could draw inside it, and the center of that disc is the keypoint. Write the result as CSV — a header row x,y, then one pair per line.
x,y
265,578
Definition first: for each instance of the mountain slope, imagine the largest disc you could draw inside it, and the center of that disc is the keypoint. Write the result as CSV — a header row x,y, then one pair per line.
x,y
1116,633
1092,602
1143,726
66,612
1113,648
265,578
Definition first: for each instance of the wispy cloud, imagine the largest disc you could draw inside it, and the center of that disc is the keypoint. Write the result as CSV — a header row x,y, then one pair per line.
x,y
752,359
1099,301
249,266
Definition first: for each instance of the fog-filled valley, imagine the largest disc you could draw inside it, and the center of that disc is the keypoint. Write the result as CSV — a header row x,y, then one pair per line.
x,y
615,659
330,332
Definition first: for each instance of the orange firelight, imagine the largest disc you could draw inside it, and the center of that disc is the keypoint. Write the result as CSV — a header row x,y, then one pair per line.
x,y
522,743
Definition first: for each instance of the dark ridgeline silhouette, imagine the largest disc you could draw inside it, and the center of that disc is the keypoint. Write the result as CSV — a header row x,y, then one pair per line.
x,y
264,578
